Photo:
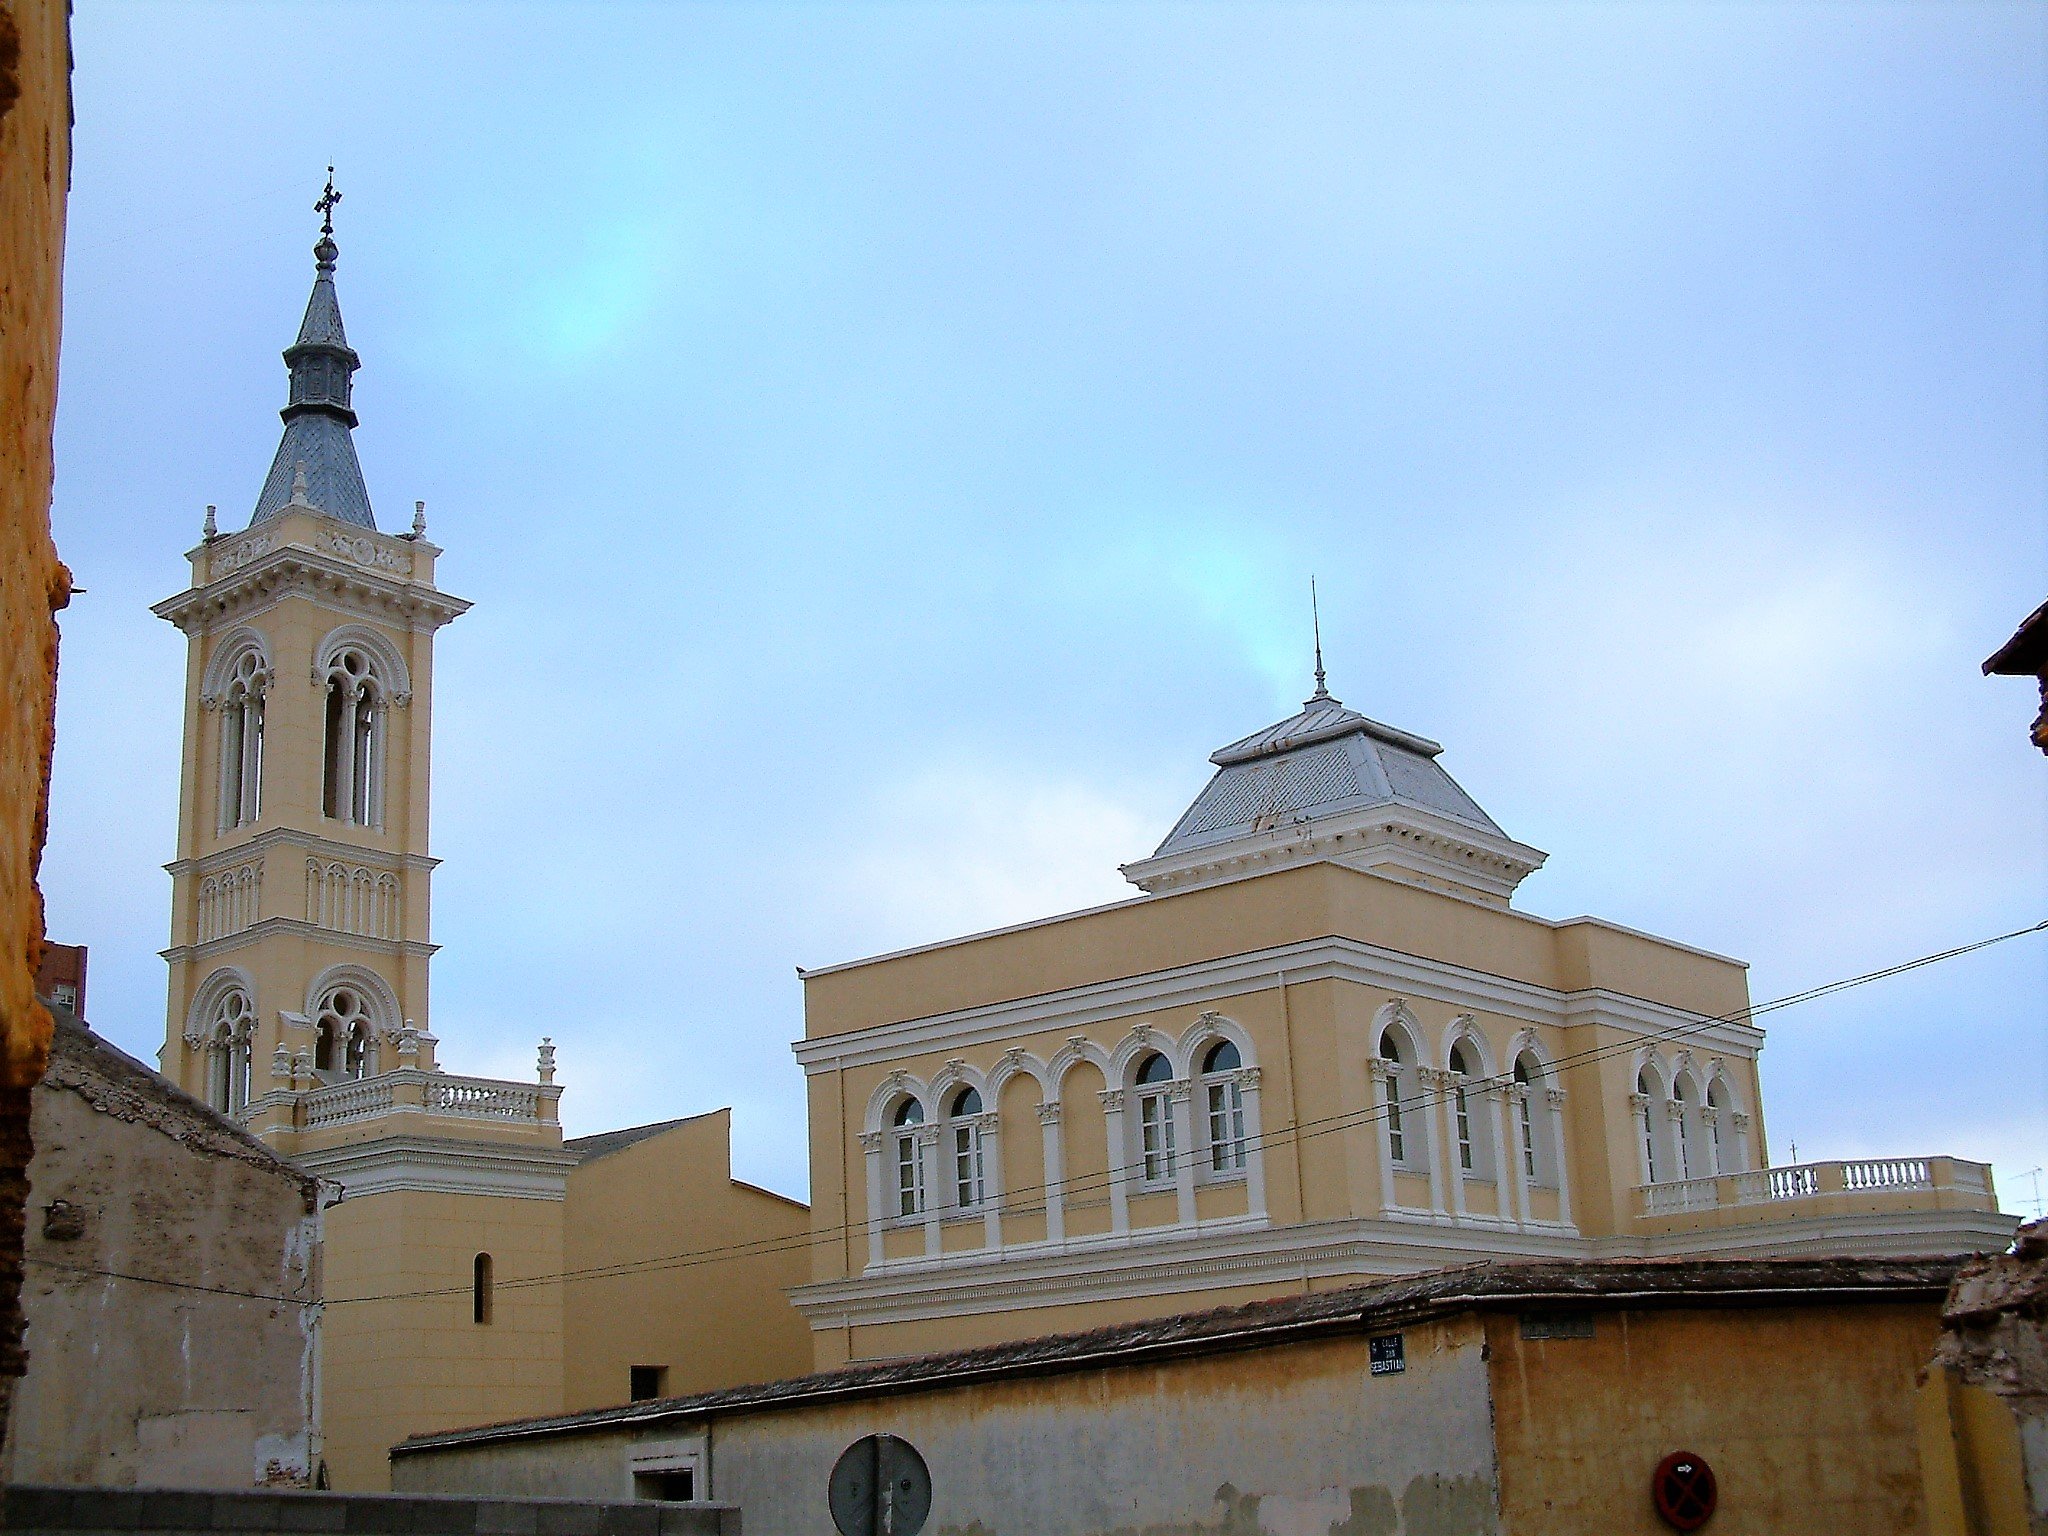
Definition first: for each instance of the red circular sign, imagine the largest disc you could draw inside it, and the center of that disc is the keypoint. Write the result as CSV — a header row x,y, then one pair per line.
x,y
1683,1489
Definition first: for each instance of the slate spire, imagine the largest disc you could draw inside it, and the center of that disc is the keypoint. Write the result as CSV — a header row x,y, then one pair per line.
x,y
317,447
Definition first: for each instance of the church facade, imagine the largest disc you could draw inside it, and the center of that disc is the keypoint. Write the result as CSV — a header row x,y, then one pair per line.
x,y
1321,1045
474,1268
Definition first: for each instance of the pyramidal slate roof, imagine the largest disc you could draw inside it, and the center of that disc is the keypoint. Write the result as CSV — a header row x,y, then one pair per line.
x,y
1322,761
316,462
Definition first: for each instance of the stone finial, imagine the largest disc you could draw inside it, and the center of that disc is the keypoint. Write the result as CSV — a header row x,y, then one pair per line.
x,y
419,519
547,1060
281,1063
210,529
299,485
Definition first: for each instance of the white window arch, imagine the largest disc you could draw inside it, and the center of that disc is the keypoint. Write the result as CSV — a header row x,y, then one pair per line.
x,y
237,684
1683,1112
905,1139
963,1144
1401,1098
1153,1082
1727,1143
1648,1096
1468,1123
344,1034
1532,1149
1223,1098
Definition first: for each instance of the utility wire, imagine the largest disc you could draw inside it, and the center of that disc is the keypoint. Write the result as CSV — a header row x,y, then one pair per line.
x,y
1009,1203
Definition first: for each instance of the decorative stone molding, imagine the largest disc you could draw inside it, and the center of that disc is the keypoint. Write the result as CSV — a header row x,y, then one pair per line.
x,y
231,558
1379,1068
1179,1091
1554,1097
547,1059
1246,1077
871,1142
988,1124
365,551
1049,1112
1112,1098
1741,1120
1639,1102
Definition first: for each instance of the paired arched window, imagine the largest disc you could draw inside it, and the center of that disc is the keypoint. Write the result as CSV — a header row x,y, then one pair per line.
x,y
1155,1119
241,738
1225,1097
968,1184
909,1161
352,787
1397,1135
230,1024
343,1040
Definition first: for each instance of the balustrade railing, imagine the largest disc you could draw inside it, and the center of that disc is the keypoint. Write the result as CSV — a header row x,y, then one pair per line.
x,y
1770,1186
435,1093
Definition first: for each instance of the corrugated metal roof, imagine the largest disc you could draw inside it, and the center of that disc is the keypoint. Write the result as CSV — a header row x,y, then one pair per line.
x,y
1324,760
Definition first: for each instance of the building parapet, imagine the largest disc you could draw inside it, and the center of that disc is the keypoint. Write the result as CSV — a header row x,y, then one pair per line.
x,y
1795,1190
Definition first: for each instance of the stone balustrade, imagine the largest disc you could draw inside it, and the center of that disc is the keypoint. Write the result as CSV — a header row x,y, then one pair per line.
x,y
1885,1177
410,1089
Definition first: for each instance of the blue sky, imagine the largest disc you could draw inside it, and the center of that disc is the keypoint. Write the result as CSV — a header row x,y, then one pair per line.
x,y
888,446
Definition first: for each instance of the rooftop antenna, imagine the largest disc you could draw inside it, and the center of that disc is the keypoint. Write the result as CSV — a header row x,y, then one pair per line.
x,y
1316,618
325,206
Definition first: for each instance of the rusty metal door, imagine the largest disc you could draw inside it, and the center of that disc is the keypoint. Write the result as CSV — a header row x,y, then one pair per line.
x,y
880,1487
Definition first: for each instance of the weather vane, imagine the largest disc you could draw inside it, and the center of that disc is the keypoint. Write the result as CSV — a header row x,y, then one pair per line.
x,y
325,206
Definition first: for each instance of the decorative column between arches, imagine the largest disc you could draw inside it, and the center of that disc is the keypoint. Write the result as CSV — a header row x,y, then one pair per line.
x,y
1179,1104
1054,1175
1119,1160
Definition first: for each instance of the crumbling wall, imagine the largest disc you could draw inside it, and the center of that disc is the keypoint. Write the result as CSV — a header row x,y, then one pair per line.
x,y
1994,1336
172,1269
35,173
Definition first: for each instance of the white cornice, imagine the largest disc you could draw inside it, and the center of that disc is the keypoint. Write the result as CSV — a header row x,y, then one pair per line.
x,y
294,568
1388,833
258,931
1165,1262
1211,981
311,842
442,1165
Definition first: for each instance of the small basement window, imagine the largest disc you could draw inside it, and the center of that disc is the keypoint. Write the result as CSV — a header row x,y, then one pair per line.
x,y
647,1381
1557,1325
673,1487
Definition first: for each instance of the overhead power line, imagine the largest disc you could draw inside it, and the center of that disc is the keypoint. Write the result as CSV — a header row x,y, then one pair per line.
x,y
1011,1201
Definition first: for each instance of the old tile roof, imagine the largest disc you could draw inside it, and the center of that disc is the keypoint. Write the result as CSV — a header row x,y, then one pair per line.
x,y
1579,1284
606,1142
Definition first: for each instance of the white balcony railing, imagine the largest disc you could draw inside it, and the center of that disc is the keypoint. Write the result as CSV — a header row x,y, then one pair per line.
x,y
434,1093
1771,1186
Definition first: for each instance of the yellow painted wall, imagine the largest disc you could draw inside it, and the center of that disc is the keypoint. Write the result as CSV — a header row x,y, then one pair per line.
x,y
1806,1414
404,1366
715,1324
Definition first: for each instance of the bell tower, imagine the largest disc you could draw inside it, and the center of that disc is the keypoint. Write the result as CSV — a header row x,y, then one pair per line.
x,y
300,891
300,939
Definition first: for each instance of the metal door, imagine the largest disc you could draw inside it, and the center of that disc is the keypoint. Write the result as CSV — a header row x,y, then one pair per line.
x,y
880,1487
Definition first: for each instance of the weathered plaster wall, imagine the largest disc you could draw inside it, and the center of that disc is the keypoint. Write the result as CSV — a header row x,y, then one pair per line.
x,y
171,1279
1806,1415
1994,1341
35,175
1295,1439
631,1215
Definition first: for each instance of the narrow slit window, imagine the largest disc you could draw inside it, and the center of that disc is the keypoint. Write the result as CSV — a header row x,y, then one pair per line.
x,y
480,1286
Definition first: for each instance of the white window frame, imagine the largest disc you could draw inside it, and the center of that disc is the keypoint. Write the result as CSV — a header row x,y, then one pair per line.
x,y
1223,1102
1157,1149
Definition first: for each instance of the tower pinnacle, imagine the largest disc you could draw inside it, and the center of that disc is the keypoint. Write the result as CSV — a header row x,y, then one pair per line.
x,y
1316,618
318,418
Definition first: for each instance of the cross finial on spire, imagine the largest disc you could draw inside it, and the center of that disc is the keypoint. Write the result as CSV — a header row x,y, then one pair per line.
x,y
325,206
1316,618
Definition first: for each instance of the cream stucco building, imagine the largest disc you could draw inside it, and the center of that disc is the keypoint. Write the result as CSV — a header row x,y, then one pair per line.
x,y
478,1265
1322,1044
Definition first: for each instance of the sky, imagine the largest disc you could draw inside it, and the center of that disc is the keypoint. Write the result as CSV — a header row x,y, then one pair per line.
x,y
888,447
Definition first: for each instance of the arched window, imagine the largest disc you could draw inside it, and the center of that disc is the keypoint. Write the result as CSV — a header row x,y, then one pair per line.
x,y
1397,1139
1226,1107
1681,1115
1728,1153
1155,1119
909,1164
342,1040
967,1179
229,1026
241,739
480,1286
352,786
1461,1069
1527,1073
1648,1124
